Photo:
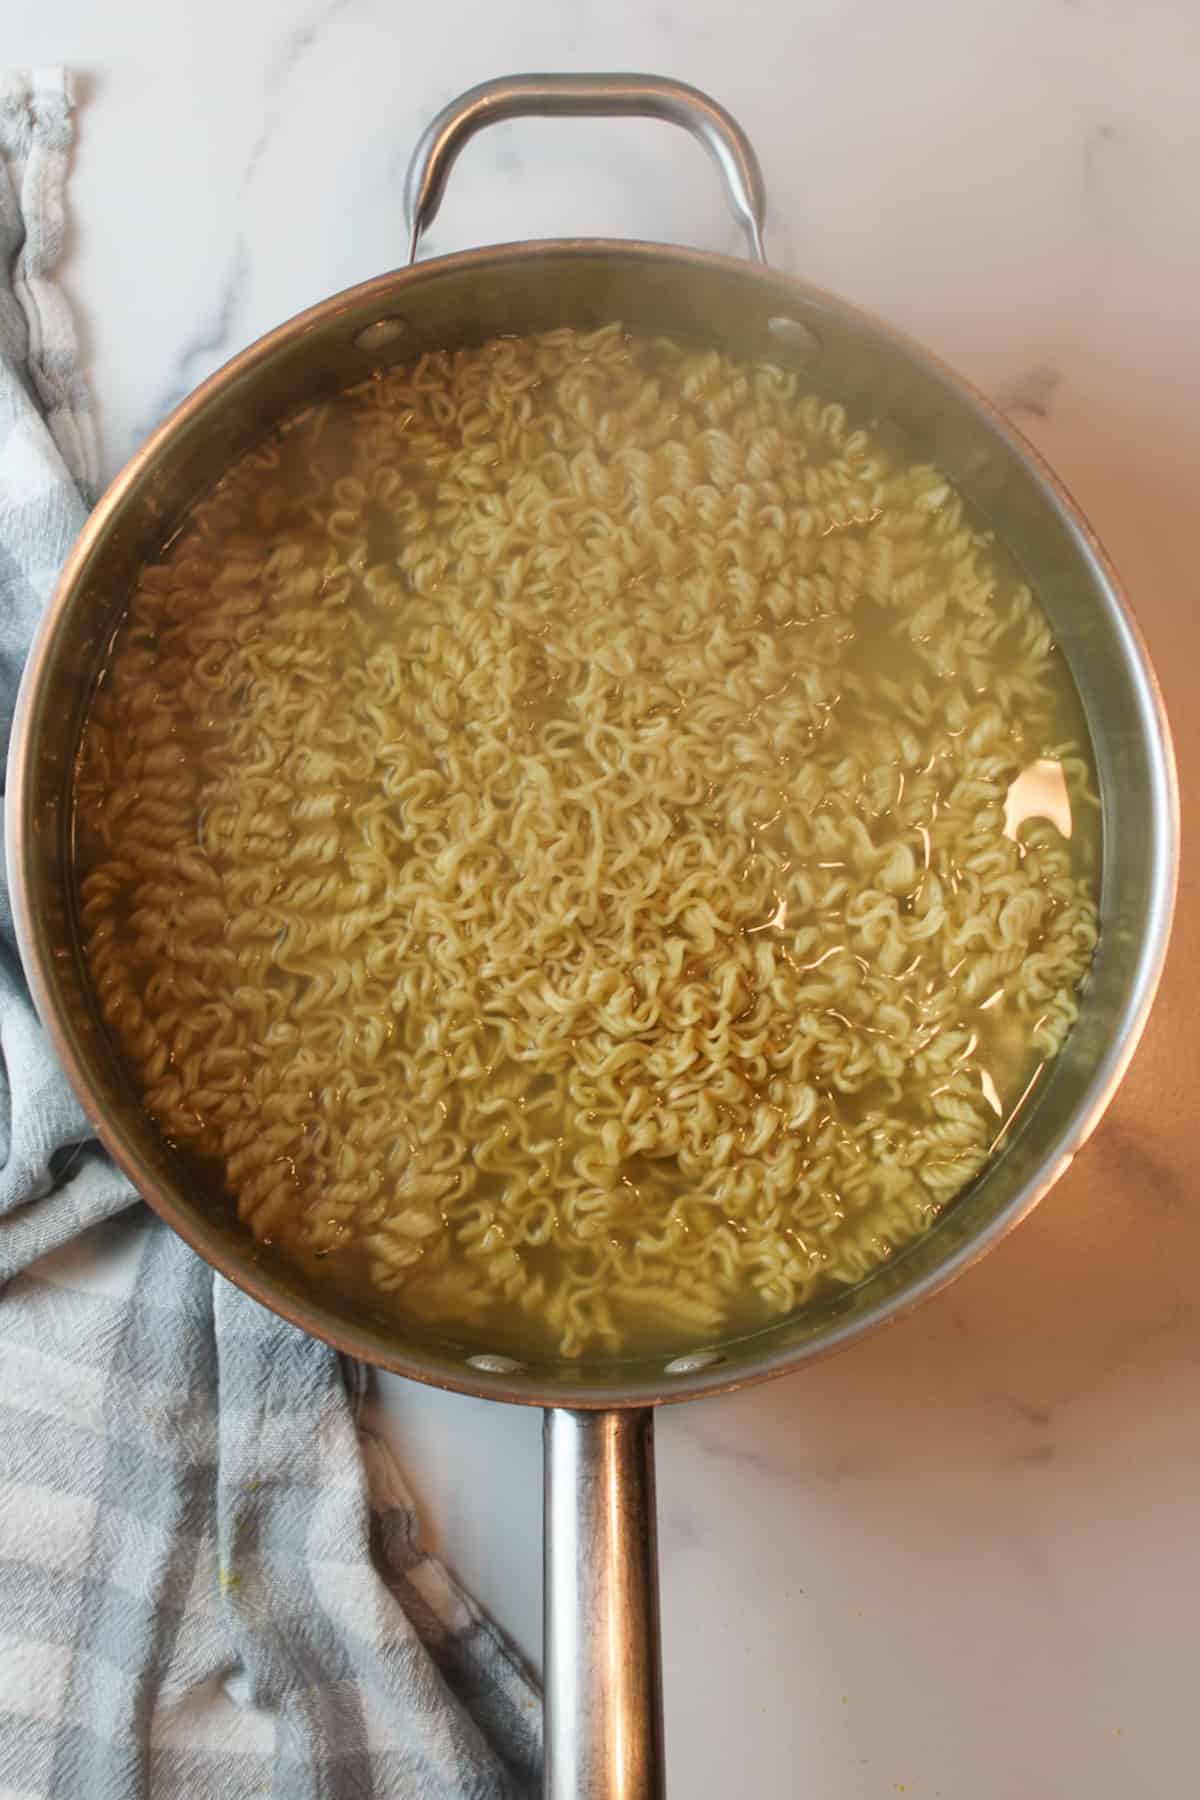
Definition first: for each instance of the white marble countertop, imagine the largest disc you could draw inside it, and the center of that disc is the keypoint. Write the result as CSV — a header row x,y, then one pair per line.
x,y
959,1560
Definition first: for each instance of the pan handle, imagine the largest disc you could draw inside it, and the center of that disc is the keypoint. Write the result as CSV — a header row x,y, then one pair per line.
x,y
603,1667
595,96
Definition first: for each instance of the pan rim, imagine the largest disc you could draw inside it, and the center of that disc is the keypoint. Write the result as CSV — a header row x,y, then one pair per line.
x,y
459,1376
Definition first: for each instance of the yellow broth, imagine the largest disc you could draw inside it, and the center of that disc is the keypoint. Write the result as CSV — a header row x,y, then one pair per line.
x,y
584,844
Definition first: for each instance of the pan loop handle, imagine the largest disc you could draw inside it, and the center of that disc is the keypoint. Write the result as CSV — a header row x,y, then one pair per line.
x,y
585,96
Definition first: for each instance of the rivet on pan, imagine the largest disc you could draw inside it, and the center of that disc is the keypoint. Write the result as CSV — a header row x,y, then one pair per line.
x,y
383,331
799,338
495,1365
695,1359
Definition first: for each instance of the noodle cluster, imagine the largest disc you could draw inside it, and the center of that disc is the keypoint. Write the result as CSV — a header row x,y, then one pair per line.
x,y
542,834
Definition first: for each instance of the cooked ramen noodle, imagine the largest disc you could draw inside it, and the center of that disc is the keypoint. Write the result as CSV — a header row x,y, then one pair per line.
x,y
587,843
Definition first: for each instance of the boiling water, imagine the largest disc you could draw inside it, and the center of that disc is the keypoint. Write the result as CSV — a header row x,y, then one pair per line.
x,y
587,849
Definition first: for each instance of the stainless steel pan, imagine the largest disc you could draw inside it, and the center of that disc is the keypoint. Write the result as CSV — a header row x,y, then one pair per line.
x,y
604,1734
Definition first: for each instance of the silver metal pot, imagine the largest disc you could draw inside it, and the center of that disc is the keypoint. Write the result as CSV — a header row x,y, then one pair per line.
x,y
604,1734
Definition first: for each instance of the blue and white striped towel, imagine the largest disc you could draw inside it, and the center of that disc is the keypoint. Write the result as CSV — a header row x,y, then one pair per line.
x,y
210,1583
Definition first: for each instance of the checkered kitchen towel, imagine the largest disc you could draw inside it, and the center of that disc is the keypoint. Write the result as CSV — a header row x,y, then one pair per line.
x,y
210,1584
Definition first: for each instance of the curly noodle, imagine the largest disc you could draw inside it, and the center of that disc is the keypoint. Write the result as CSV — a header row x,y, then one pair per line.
x,y
542,836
